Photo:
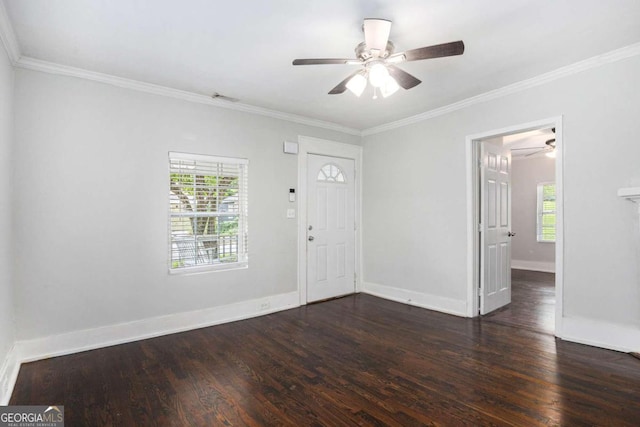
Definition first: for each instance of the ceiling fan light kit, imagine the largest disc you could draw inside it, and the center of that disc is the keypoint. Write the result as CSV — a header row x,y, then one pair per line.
x,y
376,56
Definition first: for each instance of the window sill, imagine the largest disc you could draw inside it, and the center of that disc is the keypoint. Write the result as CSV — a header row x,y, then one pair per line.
x,y
187,271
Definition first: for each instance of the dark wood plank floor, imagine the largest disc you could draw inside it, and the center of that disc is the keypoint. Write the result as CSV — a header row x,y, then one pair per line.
x,y
533,302
359,360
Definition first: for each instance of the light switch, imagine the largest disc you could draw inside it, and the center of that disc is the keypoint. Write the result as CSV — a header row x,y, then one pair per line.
x,y
291,213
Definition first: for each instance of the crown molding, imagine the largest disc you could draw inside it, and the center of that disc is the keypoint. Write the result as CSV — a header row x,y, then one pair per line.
x,y
64,70
578,67
8,36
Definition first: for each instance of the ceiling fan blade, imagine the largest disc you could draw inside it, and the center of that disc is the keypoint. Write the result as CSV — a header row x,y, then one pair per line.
x,y
342,86
320,61
404,79
435,51
528,148
536,152
376,34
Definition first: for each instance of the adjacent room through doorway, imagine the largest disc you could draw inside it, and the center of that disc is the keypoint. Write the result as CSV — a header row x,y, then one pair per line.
x,y
533,225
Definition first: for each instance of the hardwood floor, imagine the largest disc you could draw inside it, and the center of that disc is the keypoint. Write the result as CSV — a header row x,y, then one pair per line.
x,y
533,302
359,360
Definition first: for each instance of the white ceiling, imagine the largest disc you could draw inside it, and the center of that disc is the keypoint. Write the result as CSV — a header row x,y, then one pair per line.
x,y
244,49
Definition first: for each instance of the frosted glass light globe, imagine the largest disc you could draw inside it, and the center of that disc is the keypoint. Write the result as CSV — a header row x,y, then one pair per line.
x,y
389,87
357,84
378,75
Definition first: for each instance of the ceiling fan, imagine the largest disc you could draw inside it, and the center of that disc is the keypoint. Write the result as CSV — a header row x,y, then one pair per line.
x,y
377,57
549,147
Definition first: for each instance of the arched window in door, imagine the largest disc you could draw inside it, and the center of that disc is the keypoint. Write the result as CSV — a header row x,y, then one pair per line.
x,y
331,173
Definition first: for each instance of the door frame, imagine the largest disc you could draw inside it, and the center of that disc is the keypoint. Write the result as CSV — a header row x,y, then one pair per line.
x,y
472,144
309,145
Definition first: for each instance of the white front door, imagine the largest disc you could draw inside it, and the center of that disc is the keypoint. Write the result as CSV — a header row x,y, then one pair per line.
x,y
330,227
495,227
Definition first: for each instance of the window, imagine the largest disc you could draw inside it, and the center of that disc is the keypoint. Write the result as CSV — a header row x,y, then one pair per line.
x,y
546,212
330,173
208,212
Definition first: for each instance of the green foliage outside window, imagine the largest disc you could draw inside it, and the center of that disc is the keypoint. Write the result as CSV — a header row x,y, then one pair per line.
x,y
547,212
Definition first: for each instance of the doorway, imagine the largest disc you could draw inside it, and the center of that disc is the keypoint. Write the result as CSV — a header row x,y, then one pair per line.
x,y
532,245
489,265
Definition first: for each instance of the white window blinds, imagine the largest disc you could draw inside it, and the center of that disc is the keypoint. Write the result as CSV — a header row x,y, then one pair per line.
x,y
208,212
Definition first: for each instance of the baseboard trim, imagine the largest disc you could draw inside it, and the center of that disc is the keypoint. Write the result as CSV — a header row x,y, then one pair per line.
x,y
8,375
418,299
90,339
598,333
546,267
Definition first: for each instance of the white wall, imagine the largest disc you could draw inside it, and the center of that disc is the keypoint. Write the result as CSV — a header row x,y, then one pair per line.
x,y
414,212
91,203
526,174
7,336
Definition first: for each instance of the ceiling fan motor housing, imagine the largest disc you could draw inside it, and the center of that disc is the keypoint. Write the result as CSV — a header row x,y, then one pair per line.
x,y
364,54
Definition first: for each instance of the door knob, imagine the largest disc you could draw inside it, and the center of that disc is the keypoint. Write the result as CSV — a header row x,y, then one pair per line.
x,y
311,238
511,234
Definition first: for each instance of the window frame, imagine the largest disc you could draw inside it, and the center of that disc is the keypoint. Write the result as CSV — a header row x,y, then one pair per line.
x,y
540,213
242,234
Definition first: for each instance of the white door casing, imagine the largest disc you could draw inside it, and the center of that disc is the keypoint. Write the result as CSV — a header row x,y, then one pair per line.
x,y
495,228
330,227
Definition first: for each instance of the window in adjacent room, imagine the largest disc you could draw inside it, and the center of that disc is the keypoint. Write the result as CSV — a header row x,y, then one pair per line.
x,y
546,212
207,212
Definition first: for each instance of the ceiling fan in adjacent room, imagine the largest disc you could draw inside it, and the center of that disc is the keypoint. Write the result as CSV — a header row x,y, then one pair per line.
x,y
549,148
377,58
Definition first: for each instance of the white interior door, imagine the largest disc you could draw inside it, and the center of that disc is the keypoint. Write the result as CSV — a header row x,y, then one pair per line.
x,y
495,227
330,227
